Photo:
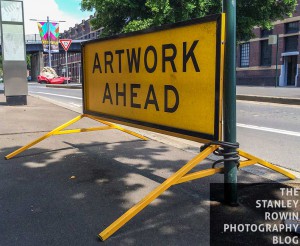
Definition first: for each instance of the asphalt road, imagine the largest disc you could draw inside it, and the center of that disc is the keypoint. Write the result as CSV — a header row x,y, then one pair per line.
x,y
71,97
269,131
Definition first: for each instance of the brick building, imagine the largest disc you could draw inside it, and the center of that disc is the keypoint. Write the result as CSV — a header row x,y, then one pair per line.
x,y
82,31
256,59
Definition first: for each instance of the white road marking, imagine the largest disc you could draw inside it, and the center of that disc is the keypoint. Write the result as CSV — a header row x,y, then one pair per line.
x,y
46,93
267,129
40,87
52,88
259,128
76,105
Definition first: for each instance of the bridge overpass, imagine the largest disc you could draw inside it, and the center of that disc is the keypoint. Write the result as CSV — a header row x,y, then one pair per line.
x,y
35,46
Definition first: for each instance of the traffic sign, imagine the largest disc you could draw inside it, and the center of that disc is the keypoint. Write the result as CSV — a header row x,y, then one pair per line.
x,y
65,43
166,80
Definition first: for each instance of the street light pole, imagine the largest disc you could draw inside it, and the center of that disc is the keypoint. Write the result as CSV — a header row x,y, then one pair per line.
x,y
49,42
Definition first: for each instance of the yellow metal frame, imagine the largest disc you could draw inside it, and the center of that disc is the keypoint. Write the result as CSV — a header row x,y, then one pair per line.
x,y
181,176
59,131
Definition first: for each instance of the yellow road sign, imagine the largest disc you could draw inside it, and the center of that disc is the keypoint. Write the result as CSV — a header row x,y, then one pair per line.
x,y
167,79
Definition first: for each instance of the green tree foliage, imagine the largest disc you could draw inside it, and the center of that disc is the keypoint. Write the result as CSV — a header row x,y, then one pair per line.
x,y
261,13
119,16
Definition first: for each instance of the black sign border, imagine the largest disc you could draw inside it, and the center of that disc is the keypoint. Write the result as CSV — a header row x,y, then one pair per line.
x,y
187,134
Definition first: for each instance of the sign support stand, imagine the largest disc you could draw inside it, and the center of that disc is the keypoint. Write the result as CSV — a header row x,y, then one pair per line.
x,y
59,131
66,43
230,167
181,176
66,53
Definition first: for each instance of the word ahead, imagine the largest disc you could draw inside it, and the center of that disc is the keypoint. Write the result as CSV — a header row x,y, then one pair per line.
x,y
151,99
166,80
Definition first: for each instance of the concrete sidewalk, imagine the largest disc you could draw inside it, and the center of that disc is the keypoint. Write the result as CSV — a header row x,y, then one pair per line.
x,y
284,95
68,188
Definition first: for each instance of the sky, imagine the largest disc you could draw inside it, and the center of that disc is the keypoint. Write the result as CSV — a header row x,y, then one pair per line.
x,y
64,10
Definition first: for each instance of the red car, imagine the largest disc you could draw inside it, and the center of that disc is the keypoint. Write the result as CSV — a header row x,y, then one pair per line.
x,y
58,80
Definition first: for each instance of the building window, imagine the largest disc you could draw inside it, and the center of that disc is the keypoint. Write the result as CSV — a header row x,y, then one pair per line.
x,y
264,33
292,27
265,53
244,54
291,43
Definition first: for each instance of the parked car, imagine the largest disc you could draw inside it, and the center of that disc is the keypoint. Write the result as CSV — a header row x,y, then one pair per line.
x,y
49,76
57,80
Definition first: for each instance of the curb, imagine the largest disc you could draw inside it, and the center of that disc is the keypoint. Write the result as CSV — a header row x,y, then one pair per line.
x,y
282,100
66,86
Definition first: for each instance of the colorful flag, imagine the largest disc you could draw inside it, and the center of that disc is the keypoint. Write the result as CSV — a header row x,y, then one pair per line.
x,y
53,30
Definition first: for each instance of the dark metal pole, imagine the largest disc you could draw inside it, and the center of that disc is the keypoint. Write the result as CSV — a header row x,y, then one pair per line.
x,y
277,41
230,167
67,67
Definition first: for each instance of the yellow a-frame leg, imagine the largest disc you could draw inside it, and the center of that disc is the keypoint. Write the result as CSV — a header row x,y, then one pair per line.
x,y
155,193
114,126
181,176
253,160
59,131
